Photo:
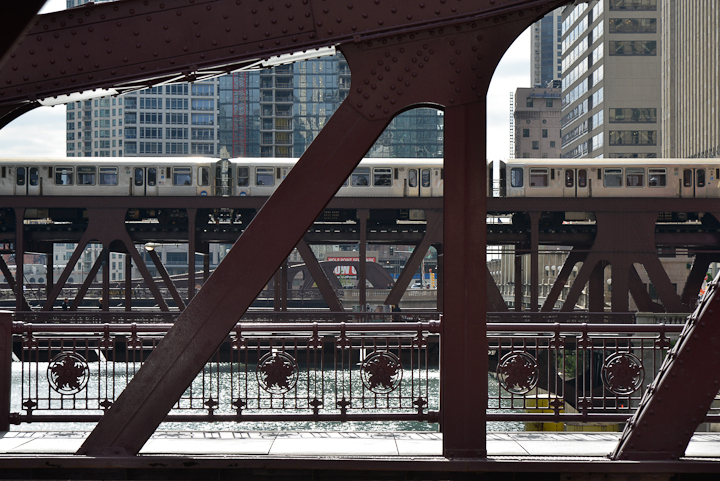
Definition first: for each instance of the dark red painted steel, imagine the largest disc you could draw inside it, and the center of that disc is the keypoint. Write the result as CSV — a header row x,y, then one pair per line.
x,y
126,44
226,295
89,279
575,256
20,301
637,245
11,281
6,357
321,279
462,401
680,396
433,235
166,278
495,298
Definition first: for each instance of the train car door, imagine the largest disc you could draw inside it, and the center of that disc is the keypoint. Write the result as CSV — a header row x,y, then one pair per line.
x,y
144,181
34,181
575,183
693,183
21,180
425,182
412,183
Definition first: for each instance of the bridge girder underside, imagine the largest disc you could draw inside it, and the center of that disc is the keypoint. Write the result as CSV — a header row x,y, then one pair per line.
x,y
402,55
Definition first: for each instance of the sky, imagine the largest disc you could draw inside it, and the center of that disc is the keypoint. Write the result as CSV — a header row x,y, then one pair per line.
x,y
41,132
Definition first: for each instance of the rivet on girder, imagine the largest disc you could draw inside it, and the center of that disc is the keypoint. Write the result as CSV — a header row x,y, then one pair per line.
x,y
330,32
364,15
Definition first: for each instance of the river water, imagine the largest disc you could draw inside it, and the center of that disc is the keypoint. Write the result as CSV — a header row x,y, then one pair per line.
x,y
225,389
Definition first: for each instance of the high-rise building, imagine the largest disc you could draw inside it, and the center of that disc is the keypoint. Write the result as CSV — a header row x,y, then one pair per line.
x,y
537,122
611,79
545,48
277,112
690,84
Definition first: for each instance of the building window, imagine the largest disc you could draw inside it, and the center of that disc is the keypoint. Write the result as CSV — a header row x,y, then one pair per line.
x,y
526,132
552,144
529,102
535,144
633,25
633,48
549,103
650,5
544,133
633,137
633,115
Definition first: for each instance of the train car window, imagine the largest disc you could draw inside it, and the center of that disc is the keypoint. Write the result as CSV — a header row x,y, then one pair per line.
x,y
425,178
396,174
20,176
613,178
360,177
569,178
516,177
108,176
700,178
86,175
412,178
2,172
151,176
182,175
203,176
382,177
243,176
635,177
539,177
264,176
687,178
63,175
34,176
552,174
582,178
657,178
139,176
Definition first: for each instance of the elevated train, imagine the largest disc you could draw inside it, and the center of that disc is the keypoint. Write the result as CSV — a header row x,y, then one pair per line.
x,y
388,177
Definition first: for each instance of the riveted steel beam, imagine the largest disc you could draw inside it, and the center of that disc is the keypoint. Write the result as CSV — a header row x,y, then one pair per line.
x,y
681,395
449,66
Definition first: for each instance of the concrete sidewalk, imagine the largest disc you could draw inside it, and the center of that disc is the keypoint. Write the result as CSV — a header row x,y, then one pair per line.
x,y
339,444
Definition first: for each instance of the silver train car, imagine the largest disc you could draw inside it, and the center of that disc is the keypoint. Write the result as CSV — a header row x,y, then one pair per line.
x,y
202,176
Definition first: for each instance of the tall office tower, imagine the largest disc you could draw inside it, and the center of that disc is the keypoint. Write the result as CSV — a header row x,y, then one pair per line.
x,y
277,112
537,122
690,84
545,49
169,120
611,79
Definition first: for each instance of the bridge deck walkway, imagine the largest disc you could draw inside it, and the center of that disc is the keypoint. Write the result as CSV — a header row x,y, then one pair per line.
x,y
552,445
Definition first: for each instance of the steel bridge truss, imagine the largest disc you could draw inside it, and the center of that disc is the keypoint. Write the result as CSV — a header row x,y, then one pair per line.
x,y
439,53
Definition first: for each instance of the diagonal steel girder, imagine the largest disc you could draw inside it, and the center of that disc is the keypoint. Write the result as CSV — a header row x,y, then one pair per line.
x,y
437,67
132,44
679,398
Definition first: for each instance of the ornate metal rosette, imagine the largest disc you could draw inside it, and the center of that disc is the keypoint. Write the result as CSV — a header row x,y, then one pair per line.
x,y
623,373
277,372
381,372
68,373
518,372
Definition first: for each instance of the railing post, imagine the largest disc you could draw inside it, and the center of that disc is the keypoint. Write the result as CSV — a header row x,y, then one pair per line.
x,y
5,368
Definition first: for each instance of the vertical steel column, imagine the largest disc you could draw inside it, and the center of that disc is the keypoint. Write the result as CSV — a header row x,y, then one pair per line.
x,y
106,279
596,288
464,363
362,268
518,279
440,277
19,258
206,262
128,282
6,344
534,261
49,271
192,214
284,286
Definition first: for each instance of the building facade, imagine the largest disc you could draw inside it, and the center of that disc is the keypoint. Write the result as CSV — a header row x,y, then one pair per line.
x,y
277,112
611,79
545,48
690,84
537,122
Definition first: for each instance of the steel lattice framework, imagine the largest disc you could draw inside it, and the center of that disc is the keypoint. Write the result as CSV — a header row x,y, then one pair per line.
x,y
403,54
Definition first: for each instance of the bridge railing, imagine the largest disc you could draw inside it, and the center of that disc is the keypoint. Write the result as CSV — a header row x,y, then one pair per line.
x,y
340,371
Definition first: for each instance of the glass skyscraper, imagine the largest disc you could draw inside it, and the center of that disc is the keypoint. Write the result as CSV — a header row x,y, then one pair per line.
x,y
278,112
